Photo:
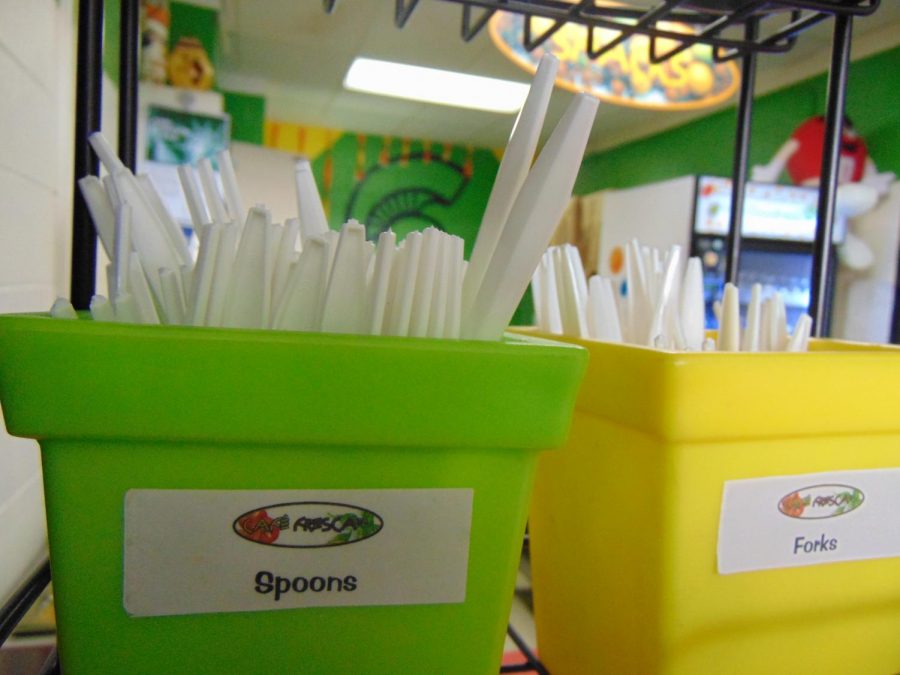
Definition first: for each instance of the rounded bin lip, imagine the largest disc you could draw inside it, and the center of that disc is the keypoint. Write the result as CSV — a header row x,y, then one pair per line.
x,y
104,380
837,388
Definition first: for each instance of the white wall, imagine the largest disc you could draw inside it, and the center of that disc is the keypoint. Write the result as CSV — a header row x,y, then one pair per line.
x,y
266,176
657,214
36,66
864,301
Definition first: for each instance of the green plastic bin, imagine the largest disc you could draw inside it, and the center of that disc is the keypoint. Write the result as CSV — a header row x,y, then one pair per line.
x,y
124,410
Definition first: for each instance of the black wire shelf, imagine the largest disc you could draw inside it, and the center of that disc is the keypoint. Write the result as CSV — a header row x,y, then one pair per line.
x,y
12,613
717,23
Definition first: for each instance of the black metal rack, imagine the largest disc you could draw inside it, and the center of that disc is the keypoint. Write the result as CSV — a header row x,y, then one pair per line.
x,y
15,609
734,28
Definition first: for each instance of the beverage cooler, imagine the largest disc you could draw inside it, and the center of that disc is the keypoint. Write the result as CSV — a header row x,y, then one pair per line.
x,y
778,234
779,231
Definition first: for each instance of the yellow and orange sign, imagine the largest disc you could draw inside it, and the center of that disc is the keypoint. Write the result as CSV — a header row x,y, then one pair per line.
x,y
624,75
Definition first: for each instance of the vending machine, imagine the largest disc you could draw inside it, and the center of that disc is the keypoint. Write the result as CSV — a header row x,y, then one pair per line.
x,y
778,234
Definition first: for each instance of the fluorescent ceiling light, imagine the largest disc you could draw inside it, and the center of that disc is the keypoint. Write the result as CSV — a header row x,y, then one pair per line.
x,y
444,87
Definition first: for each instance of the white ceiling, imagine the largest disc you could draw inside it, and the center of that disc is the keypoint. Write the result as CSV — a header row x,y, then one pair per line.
x,y
296,55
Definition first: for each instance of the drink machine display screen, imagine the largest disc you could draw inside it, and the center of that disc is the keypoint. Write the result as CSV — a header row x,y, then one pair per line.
x,y
779,228
775,212
787,272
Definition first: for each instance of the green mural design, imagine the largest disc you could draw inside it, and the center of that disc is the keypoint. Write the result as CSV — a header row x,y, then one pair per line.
x,y
406,191
384,185
407,196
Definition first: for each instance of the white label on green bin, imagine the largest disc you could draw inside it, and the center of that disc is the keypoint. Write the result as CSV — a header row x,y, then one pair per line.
x,y
201,551
810,519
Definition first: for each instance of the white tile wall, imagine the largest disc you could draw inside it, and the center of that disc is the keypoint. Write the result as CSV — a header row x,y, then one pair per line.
x,y
36,69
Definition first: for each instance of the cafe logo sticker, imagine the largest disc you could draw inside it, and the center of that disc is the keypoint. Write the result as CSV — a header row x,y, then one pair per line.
x,y
821,501
308,524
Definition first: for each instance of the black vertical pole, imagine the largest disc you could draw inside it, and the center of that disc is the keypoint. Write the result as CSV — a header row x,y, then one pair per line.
x,y
895,321
741,152
87,119
129,44
819,302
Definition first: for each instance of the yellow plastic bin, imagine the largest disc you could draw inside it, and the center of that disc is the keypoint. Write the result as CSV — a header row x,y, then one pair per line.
x,y
261,502
723,513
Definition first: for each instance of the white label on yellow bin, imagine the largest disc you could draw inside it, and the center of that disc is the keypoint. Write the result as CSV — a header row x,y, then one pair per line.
x,y
200,551
789,521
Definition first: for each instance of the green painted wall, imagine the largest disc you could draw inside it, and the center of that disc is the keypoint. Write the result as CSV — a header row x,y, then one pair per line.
x,y
705,146
111,14
248,115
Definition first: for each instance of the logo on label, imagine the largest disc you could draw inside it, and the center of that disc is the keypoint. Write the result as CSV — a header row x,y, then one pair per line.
x,y
308,524
821,501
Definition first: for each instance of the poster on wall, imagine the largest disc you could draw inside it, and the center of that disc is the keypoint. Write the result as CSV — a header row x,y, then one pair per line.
x,y
175,137
179,137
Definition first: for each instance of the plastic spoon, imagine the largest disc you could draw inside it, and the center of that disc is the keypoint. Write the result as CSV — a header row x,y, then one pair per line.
x,y
779,334
538,292
172,301
63,309
391,302
343,310
109,186
750,342
105,153
250,291
101,211
765,325
637,298
532,220
551,295
577,268
140,291
223,268
437,315
380,282
169,227
211,191
203,274
572,311
102,309
299,309
602,300
312,216
421,306
122,251
147,233
665,291
730,326
191,188
125,308
454,293
510,176
284,258
232,192
799,340
406,285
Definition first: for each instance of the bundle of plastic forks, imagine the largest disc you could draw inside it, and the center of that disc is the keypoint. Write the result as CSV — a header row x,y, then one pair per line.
x,y
662,305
